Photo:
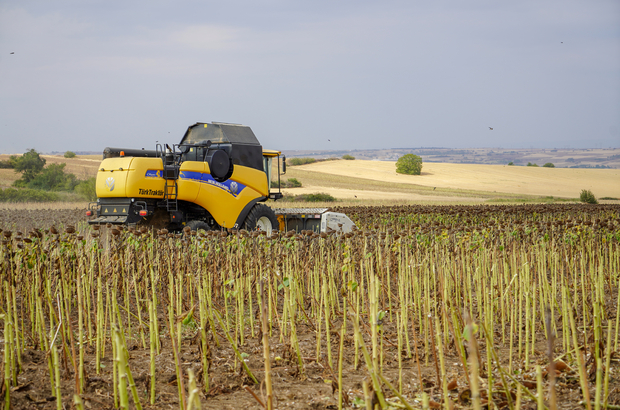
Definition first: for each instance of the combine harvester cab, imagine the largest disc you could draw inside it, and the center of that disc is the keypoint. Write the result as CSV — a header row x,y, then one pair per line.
x,y
215,178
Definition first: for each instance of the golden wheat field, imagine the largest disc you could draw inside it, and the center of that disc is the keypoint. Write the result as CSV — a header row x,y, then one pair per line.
x,y
539,181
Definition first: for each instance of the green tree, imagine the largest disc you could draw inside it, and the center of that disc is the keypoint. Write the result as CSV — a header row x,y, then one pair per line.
x,y
529,164
349,157
30,165
53,178
511,163
69,154
409,164
549,165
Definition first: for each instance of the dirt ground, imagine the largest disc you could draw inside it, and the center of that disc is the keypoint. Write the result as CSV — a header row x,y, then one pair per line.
x,y
315,389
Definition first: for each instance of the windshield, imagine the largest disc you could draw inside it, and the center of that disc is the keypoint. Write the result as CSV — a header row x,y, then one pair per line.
x,y
267,161
202,133
219,133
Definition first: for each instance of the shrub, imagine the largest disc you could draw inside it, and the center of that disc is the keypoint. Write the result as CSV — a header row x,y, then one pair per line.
x,y
27,195
53,178
9,163
319,197
69,154
549,165
587,197
409,164
529,164
300,161
289,183
348,157
293,183
87,189
511,163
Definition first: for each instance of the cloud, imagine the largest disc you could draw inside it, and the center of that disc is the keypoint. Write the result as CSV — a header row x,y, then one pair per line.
x,y
207,37
298,70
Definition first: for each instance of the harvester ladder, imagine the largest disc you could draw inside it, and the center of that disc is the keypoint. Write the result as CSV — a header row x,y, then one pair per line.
x,y
171,191
171,161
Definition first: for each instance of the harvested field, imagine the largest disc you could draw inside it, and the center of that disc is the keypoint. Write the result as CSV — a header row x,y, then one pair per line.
x,y
365,195
83,167
538,181
7,177
386,308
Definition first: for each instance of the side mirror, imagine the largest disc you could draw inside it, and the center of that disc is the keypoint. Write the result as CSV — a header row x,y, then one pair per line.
x,y
283,164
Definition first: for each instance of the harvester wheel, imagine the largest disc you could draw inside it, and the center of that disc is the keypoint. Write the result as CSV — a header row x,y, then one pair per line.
x,y
196,225
261,218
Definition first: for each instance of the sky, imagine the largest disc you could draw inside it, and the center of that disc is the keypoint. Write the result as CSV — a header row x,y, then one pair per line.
x,y
82,75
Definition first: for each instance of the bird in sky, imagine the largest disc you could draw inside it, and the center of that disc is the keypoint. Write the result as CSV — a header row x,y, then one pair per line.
x,y
12,52
491,128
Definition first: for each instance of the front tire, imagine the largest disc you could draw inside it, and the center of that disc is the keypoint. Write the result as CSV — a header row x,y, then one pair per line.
x,y
261,218
196,225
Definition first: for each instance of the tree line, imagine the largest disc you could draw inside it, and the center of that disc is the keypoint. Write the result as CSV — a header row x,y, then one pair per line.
x,y
35,175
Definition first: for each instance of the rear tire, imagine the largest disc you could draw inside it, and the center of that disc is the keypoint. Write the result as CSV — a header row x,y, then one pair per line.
x,y
196,225
261,218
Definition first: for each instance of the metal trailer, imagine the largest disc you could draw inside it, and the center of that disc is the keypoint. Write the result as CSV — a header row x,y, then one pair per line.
x,y
312,219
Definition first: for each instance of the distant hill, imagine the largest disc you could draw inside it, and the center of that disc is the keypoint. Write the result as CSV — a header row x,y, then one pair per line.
x,y
76,152
560,158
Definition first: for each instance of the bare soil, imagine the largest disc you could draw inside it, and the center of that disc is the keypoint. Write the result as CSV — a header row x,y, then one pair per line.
x,y
315,389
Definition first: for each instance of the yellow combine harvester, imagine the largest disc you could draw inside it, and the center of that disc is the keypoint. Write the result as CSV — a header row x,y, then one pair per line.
x,y
215,178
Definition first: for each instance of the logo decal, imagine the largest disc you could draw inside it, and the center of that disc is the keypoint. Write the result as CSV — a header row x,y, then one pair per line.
x,y
110,184
153,173
151,192
232,187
